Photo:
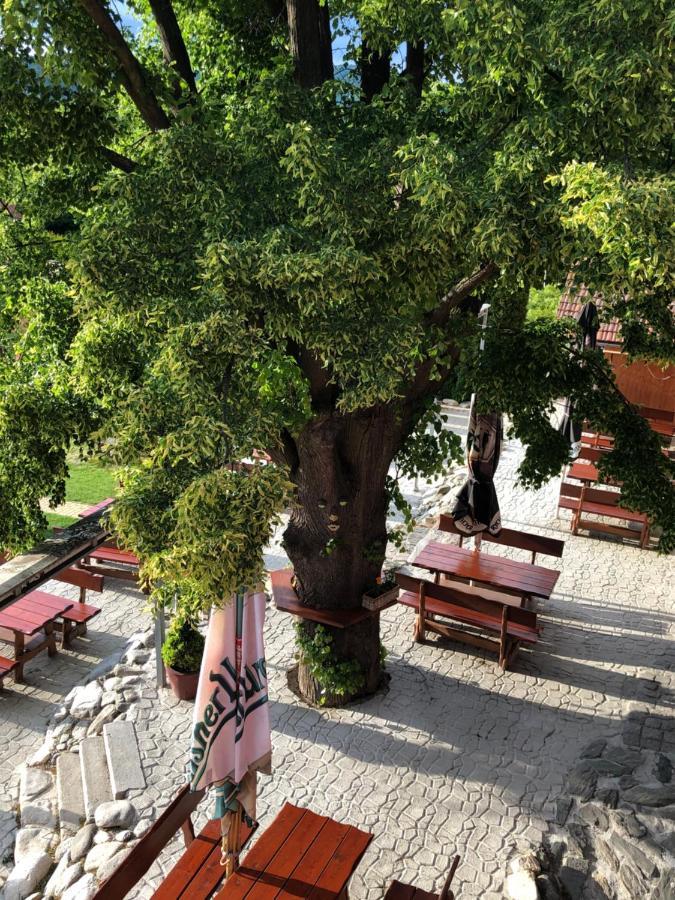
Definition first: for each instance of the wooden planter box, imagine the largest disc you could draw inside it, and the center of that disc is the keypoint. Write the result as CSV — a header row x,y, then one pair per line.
x,y
376,598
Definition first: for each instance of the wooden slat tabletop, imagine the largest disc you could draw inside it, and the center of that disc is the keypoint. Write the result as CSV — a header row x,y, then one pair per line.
x,y
31,613
301,854
486,568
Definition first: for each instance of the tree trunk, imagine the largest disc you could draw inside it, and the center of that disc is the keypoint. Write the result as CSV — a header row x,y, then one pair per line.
x,y
310,41
337,535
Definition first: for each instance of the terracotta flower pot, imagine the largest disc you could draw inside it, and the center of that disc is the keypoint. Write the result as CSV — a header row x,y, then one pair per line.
x,y
183,684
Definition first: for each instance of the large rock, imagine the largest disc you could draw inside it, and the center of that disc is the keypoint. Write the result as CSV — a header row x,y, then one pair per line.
x,y
82,842
629,850
629,759
582,780
521,883
115,814
84,889
594,749
27,875
32,839
650,796
65,874
34,782
106,870
86,701
39,812
100,854
107,714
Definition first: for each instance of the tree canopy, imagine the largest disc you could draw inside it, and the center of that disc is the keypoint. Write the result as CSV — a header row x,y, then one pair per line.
x,y
219,235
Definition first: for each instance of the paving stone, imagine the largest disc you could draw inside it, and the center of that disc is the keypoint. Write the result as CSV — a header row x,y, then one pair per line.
x,y
95,777
124,761
69,791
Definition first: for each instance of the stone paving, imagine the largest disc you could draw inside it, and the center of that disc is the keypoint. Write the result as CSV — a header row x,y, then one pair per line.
x,y
453,756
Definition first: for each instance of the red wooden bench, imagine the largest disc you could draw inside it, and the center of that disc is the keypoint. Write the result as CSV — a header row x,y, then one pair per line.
x,y
508,537
580,499
300,854
109,560
399,891
6,666
469,607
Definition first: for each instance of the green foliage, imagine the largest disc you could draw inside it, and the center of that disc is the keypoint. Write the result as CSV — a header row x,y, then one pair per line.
x,y
89,482
165,318
56,520
336,677
543,302
183,647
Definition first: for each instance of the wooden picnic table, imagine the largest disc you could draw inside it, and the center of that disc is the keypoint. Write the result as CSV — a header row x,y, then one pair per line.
x,y
27,617
508,575
301,854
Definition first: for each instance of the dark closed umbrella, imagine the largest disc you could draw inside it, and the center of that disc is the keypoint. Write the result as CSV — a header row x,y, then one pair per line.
x,y
476,508
590,323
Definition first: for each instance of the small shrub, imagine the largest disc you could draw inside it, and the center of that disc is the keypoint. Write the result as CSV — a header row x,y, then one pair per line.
x,y
184,646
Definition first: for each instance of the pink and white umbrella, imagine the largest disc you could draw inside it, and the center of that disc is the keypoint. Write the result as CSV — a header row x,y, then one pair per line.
x,y
231,740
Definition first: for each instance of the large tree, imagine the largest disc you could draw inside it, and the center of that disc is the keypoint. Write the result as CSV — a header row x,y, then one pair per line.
x,y
220,234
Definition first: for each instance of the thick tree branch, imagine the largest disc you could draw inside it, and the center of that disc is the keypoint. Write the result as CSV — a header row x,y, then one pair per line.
x,y
310,41
459,292
375,68
323,394
414,64
118,160
133,75
173,46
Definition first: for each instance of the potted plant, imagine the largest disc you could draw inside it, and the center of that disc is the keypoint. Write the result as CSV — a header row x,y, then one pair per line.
x,y
383,594
182,653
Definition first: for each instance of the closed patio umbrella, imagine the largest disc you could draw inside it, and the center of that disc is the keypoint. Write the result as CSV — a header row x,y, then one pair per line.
x,y
231,739
476,507
590,323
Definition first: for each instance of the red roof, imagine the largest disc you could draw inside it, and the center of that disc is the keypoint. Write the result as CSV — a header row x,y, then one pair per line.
x,y
573,299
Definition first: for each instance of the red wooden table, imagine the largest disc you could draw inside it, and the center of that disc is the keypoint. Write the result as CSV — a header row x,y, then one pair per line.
x,y
509,575
27,617
301,854
583,471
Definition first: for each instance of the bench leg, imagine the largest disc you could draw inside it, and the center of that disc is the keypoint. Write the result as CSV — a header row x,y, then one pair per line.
x,y
66,634
18,653
51,639
503,639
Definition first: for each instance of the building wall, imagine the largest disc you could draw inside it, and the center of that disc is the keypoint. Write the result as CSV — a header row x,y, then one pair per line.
x,y
646,385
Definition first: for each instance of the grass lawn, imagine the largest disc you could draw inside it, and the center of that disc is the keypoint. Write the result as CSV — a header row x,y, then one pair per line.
x,y
56,520
90,483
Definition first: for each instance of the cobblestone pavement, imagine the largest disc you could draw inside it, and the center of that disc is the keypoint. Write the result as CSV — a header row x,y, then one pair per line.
x,y
453,756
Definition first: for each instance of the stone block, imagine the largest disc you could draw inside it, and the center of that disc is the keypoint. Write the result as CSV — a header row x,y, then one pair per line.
x,y
594,749
95,778
69,791
663,769
630,851
582,780
33,839
124,760
34,782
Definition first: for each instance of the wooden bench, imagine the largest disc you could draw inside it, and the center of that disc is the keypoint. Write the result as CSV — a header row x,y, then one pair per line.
x,y
72,621
110,560
300,854
508,537
469,607
6,666
580,499
399,891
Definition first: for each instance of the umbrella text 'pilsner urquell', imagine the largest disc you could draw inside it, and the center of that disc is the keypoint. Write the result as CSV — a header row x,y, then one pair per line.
x,y
231,739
